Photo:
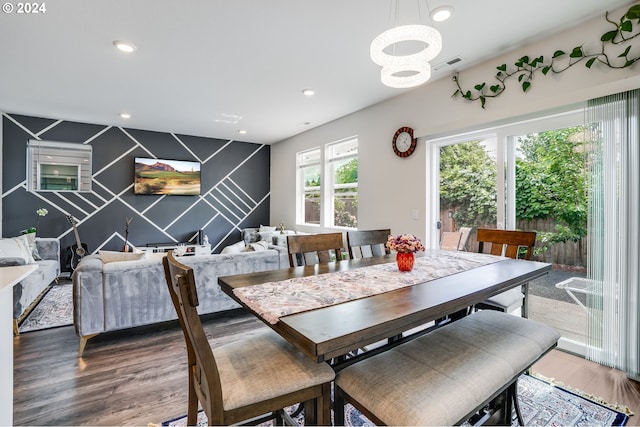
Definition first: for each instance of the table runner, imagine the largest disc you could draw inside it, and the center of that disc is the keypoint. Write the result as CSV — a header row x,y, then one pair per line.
x,y
273,300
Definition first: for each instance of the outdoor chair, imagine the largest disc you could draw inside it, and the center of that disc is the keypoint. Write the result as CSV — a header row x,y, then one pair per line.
x,y
246,379
450,240
368,243
512,244
309,249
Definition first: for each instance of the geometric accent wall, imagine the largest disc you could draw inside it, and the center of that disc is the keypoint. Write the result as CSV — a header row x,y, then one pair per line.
x,y
234,187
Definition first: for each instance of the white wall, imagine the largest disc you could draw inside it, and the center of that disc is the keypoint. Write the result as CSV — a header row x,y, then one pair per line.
x,y
391,187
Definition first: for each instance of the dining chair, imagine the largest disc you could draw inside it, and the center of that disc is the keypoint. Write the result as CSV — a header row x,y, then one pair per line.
x,y
309,249
465,231
511,244
368,243
450,240
248,378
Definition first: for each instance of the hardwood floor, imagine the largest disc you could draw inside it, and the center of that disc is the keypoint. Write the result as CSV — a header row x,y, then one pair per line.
x,y
131,377
138,376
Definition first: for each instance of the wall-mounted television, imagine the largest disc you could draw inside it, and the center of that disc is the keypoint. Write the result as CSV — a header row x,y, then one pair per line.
x,y
173,177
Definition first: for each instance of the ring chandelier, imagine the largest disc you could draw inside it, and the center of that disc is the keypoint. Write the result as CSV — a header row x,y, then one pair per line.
x,y
404,71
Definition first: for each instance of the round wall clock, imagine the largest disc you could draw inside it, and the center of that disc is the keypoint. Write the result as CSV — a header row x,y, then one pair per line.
x,y
403,142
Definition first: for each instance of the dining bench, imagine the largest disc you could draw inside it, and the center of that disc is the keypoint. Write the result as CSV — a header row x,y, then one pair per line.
x,y
465,370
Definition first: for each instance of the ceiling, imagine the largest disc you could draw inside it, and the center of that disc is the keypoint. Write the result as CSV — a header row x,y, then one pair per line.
x,y
213,67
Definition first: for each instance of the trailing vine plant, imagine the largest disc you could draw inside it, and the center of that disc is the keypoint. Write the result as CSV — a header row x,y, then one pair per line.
x,y
527,66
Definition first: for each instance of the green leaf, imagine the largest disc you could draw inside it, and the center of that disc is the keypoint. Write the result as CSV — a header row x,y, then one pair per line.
x,y
634,12
499,74
495,88
546,69
577,52
630,62
524,59
608,36
534,62
626,26
625,53
525,86
541,59
502,67
482,101
518,64
467,95
558,53
479,87
520,77
590,62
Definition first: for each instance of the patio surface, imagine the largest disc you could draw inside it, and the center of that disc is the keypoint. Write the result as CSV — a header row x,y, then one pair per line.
x,y
555,307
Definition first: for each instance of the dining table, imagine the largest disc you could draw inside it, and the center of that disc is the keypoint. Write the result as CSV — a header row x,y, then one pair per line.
x,y
331,310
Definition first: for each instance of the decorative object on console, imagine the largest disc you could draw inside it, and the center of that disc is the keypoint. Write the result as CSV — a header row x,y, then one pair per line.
x,y
114,256
405,246
527,66
125,248
180,249
39,213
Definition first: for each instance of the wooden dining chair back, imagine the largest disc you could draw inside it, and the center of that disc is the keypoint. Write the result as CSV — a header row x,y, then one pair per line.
x,y
245,379
368,243
511,244
310,249
450,240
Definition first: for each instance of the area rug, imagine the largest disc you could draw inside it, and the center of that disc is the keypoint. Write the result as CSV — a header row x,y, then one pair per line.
x,y
55,309
541,404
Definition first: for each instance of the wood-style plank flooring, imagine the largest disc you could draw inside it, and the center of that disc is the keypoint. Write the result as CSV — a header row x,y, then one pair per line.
x,y
138,376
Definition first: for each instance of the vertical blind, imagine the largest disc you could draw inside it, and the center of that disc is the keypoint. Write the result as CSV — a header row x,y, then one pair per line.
x,y
613,125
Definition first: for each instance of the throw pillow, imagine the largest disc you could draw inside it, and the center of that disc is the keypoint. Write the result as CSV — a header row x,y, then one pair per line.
x,y
249,235
16,247
264,228
233,249
31,238
113,256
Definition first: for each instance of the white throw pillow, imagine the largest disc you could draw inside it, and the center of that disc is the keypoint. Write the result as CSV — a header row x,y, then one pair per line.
x,y
16,247
31,238
233,249
114,256
264,228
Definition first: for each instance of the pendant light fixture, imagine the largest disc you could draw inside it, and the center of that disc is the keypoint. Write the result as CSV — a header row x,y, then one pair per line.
x,y
404,71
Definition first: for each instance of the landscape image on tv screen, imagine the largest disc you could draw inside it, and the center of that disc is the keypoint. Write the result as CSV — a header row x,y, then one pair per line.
x,y
174,177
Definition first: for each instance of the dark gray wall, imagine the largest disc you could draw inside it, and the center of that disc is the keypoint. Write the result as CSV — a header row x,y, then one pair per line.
x,y
234,189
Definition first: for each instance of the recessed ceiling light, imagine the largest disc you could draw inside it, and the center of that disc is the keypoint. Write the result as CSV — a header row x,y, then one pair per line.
x,y
125,115
441,13
124,46
242,131
308,92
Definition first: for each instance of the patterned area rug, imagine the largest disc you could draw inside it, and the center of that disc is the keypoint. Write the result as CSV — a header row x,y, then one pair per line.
x,y
55,309
541,404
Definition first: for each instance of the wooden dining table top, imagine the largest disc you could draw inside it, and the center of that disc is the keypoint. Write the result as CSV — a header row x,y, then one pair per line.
x,y
333,331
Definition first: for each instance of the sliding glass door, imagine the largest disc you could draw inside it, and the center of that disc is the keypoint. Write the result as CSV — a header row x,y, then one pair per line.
x,y
527,176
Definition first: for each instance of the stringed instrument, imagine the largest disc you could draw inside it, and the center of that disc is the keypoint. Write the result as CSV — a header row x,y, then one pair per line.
x,y
77,250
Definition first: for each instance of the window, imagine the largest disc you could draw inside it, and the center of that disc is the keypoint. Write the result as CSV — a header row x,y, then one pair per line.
x,y
328,185
309,173
58,166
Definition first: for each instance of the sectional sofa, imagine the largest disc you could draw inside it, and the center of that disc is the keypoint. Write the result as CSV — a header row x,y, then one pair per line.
x,y
114,294
28,292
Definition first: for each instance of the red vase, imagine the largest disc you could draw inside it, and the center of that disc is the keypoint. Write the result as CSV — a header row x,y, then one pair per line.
x,y
405,261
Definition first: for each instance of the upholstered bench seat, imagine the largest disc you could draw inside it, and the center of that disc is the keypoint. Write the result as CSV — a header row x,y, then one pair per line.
x,y
444,377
